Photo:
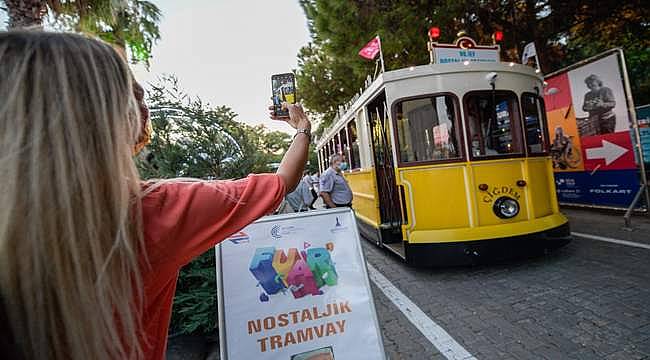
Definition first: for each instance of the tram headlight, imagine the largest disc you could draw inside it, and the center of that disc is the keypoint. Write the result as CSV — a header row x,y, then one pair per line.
x,y
505,207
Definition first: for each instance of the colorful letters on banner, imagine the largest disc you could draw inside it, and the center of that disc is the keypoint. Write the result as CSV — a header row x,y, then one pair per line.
x,y
303,273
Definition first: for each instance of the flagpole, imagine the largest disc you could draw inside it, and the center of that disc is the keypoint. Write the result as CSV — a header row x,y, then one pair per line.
x,y
381,55
374,75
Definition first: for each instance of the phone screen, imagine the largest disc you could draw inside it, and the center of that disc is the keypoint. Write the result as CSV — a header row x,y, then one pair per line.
x,y
284,89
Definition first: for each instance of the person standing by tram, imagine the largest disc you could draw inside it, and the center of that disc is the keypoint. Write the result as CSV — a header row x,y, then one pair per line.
x,y
333,187
302,199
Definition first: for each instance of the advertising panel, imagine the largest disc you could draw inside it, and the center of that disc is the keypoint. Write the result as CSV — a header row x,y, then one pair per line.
x,y
592,134
295,287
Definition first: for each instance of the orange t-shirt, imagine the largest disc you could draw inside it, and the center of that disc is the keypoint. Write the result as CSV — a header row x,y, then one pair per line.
x,y
183,220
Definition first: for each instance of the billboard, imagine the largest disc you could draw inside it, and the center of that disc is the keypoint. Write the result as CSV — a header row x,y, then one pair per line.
x,y
295,287
592,133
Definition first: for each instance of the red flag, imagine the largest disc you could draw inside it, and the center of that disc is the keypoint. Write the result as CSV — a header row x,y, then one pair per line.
x,y
371,49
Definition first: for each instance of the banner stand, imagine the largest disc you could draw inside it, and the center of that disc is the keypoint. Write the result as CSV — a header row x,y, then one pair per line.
x,y
223,344
642,191
237,274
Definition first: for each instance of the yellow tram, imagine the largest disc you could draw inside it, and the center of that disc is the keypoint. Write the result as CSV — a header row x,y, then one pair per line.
x,y
449,163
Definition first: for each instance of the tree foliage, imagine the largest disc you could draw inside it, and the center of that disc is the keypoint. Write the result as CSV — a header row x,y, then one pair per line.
x,y
134,25
193,139
131,24
564,31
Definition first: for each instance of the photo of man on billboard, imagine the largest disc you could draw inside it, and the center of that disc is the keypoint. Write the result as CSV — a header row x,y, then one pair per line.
x,y
598,97
599,102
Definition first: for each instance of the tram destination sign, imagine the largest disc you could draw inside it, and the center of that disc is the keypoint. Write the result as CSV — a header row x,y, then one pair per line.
x,y
295,287
465,49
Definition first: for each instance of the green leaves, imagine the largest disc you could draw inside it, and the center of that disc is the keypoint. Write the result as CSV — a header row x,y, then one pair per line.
x,y
192,139
330,70
195,303
131,24
565,31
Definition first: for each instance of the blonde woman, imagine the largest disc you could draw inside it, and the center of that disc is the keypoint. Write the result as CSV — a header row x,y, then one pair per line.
x,y
88,258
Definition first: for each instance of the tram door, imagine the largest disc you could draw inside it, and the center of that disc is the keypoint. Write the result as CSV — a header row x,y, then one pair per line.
x,y
389,201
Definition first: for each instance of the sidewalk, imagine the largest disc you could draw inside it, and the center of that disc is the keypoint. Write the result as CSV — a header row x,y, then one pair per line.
x,y
608,224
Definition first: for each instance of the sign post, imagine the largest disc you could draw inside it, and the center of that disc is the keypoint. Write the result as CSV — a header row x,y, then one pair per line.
x,y
295,287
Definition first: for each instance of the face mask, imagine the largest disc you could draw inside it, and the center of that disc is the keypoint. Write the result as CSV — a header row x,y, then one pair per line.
x,y
343,166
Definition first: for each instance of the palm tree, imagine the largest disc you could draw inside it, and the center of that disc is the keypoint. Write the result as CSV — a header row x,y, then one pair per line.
x,y
131,24
25,13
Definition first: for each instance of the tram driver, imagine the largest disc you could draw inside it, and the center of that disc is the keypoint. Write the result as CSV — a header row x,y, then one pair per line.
x,y
480,125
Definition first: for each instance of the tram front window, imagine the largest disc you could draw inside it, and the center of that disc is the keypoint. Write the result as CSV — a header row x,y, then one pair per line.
x,y
493,122
427,129
533,111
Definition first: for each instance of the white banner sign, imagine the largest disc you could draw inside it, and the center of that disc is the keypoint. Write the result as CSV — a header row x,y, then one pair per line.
x,y
295,287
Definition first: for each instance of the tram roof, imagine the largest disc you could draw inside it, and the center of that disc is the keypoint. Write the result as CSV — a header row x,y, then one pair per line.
x,y
405,74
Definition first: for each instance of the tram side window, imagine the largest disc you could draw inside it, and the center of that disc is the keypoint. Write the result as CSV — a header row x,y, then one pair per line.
x,y
494,125
533,111
330,150
344,141
355,161
326,159
322,159
427,129
337,144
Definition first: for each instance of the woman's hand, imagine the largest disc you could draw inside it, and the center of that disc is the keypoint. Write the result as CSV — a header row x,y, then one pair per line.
x,y
297,117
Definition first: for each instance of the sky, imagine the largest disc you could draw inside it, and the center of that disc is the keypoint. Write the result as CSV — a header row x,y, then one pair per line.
x,y
225,51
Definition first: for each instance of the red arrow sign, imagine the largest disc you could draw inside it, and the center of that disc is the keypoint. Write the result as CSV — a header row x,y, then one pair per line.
x,y
608,152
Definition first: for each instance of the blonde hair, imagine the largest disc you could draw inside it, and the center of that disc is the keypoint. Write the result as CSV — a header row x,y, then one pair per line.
x,y
70,219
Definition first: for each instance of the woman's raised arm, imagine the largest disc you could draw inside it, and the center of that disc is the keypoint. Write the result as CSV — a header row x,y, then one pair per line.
x,y
294,160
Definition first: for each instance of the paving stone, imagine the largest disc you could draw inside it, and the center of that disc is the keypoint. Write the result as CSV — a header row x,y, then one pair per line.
x,y
626,355
584,301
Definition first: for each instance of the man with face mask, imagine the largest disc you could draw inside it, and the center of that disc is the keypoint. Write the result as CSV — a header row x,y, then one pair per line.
x,y
333,188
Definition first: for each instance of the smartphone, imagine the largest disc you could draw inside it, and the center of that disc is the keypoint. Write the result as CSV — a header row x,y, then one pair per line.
x,y
283,87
